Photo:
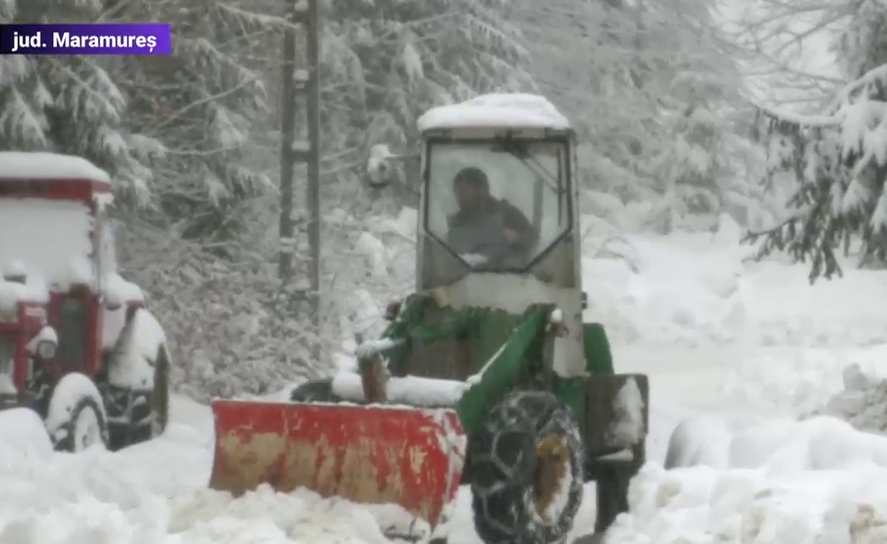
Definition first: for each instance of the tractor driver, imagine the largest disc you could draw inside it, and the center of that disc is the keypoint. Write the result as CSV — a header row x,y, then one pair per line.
x,y
486,226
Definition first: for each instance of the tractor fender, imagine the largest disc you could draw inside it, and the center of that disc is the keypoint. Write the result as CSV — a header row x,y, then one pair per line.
x,y
139,347
138,370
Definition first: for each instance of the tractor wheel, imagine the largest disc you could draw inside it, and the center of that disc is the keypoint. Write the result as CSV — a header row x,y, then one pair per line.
x,y
160,393
527,463
152,417
612,482
76,419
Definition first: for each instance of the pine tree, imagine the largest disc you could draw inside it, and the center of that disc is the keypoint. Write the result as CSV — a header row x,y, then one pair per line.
x,y
651,87
202,105
838,158
67,104
388,61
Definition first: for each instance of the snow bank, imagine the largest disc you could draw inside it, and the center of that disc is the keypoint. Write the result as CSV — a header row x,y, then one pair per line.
x,y
702,505
862,402
698,289
812,482
96,496
265,516
22,434
665,290
155,493
495,111
798,381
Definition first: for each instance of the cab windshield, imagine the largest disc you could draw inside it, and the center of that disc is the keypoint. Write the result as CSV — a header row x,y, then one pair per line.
x,y
498,204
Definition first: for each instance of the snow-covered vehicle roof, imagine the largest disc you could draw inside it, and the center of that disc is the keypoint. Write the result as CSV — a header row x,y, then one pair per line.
x,y
50,166
527,111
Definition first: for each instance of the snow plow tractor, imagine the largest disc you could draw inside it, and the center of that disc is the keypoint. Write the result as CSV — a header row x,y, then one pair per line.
x,y
485,376
76,343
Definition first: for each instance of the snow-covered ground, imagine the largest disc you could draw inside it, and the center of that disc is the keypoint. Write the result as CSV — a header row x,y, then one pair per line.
x,y
748,347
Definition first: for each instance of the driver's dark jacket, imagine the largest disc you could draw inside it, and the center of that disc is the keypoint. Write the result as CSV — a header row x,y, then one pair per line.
x,y
472,231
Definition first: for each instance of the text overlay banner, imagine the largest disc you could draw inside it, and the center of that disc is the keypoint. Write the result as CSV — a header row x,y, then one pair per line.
x,y
147,39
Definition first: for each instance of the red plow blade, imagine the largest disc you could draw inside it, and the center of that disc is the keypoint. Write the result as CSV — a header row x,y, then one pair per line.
x,y
370,454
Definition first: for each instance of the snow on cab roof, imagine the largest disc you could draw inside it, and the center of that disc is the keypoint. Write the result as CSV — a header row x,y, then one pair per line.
x,y
496,111
42,165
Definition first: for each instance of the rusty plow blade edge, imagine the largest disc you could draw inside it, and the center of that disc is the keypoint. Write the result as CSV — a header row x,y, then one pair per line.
x,y
367,454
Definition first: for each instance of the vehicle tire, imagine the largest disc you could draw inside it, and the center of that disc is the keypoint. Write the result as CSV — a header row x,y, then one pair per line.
x,y
527,466
314,391
612,481
140,408
157,403
160,393
76,418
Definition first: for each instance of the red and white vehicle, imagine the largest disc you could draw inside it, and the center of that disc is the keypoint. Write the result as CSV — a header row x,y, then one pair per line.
x,y
76,343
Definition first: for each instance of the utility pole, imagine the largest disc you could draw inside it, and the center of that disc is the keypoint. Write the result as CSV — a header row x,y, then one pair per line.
x,y
288,111
300,85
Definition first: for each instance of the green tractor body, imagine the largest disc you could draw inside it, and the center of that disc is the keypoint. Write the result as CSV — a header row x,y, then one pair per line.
x,y
494,331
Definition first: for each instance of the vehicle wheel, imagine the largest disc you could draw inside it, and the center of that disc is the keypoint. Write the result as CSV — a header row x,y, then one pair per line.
x,y
527,459
140,406
612,481
151,422
314,391
77,418
160,394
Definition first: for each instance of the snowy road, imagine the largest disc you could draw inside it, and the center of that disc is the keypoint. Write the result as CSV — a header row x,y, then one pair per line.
x,y
817,482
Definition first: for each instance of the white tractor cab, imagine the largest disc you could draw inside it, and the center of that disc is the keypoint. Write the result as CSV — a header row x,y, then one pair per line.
x,y
76,344
526,149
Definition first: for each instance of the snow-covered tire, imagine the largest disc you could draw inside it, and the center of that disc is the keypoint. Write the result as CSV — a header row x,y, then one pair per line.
x,y
138,376
527,465
160,393
76,419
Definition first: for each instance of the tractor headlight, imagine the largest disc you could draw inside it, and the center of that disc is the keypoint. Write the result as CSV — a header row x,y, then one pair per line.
x,y
46,349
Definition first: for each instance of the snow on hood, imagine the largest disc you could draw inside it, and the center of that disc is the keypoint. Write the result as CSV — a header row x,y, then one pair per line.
x,y
496,111
24,165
